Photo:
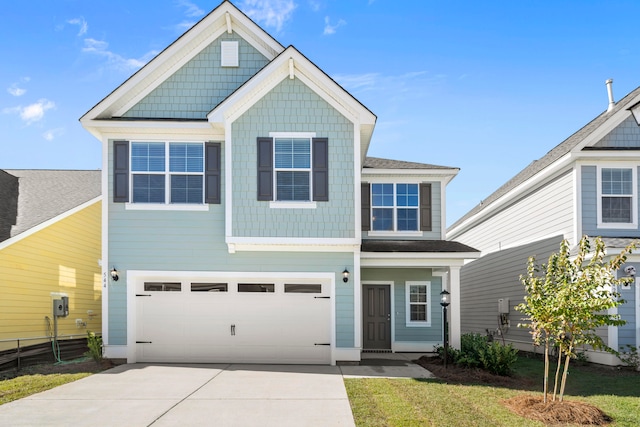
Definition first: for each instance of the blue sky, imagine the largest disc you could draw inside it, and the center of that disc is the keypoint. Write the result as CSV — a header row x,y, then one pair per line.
x,y
486,86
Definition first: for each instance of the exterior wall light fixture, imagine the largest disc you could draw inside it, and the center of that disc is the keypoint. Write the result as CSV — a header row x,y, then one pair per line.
x,y
345,275
114,274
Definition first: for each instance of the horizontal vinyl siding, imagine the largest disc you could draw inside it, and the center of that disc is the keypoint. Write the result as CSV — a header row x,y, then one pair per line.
x,y
627,311
400,277
543,213
495,276
60,258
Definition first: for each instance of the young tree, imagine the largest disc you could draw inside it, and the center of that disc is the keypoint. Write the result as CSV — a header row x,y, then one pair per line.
x,y
572,301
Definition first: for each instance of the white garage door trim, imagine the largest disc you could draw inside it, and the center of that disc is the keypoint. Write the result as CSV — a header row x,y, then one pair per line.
x,y
136,279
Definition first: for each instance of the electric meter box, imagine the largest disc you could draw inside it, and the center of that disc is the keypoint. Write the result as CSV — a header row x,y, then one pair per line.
x,y
61,307
503,306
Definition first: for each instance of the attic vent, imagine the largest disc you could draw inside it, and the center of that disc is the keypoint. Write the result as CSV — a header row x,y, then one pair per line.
x,y
229,54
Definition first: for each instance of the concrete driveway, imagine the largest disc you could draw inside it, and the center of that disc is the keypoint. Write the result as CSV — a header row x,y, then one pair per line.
x,y
191,395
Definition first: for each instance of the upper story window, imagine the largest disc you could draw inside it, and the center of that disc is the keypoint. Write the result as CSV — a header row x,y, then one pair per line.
x,y
617,197
394,207
292,160
167,172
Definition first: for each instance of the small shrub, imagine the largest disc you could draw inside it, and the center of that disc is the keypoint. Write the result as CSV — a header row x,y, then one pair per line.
x,y
94,343
498,359
471,346
630,357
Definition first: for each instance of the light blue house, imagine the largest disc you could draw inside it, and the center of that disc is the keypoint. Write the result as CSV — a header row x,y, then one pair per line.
x,y
243,221
587,185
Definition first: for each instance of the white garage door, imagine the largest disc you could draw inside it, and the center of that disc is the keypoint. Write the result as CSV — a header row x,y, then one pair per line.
x,y
266,321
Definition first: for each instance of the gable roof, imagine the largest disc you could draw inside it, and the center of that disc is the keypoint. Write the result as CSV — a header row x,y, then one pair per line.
x,y
588,134
44,194
220,20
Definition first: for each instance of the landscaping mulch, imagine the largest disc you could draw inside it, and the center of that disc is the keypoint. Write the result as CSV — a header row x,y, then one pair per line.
x,y
552,413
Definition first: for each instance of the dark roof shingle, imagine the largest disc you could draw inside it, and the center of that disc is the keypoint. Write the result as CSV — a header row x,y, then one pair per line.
x,y
414,246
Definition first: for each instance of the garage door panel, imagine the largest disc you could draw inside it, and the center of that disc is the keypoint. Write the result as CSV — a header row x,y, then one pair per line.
x,y
232,326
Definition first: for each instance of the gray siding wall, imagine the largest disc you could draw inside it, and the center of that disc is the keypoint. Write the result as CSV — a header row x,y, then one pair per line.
x,y
494,276
293,107
201,84
400,277
627,311
590,206
626,134
547,211
195,241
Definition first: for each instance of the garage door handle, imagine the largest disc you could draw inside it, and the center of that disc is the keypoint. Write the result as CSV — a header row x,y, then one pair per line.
x,y
233,330
322,297
142,295
322,344
143,342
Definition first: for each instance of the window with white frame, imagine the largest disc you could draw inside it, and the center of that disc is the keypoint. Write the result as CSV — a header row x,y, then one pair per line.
x,y
167,173
418,300
292,160
395,207
617,196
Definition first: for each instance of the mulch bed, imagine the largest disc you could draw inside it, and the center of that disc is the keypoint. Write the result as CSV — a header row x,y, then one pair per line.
x,y
67,367
528,406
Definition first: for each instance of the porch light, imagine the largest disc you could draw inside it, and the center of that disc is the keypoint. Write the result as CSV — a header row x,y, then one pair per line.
x,y
444,302
345,275
114,274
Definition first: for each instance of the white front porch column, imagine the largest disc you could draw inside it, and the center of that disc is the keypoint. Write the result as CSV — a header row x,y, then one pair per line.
x,y
454,307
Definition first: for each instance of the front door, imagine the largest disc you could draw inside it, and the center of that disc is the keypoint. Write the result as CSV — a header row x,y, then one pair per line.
x,y
376,317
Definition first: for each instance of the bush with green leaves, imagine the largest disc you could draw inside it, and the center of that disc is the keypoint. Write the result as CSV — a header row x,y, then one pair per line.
x,y
476,351
94,343
498,358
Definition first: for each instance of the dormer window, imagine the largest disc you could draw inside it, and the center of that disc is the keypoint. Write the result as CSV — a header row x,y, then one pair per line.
x,y
394,207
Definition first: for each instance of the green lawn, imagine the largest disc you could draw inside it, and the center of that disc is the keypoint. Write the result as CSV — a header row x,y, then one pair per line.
x,y
394,402
26,385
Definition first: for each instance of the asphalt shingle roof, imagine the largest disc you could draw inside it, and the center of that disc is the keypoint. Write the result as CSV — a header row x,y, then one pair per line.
x,y
42,195
378,163
554,154
414,246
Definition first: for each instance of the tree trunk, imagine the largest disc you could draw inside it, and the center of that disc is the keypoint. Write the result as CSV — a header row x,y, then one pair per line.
x,y
557,377
546,370
564,375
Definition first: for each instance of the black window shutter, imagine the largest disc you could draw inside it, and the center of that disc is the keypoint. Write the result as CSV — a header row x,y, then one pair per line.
x,y
265,168
425,207
212,173
320,169
365,202
121,171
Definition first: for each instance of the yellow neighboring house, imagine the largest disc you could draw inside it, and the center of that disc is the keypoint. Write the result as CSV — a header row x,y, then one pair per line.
x,y
50,246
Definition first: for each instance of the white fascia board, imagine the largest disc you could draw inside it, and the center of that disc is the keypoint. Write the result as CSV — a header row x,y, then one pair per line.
x,y
408,177
613,155
271,244
157,130
440,174
610,124
278,70
48,223
545,174
413,262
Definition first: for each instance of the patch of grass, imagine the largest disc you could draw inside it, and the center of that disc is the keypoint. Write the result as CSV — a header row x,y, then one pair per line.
x,y
26,385
399,402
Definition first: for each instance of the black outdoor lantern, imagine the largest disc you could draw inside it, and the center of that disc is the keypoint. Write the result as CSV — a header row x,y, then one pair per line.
x,y
444,302
345,275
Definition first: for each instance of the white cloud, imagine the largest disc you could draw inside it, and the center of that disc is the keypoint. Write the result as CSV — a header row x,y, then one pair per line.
x,y
15,90
271,13
33,112
52,134
315,5
412,82
80,22
192,10
100,48
331,29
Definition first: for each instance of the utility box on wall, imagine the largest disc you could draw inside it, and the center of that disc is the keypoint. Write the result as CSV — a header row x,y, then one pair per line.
x,y
61,307
503,306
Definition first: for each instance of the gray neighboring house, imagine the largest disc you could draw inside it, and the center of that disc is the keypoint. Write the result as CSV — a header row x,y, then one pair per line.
x,y
586,185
